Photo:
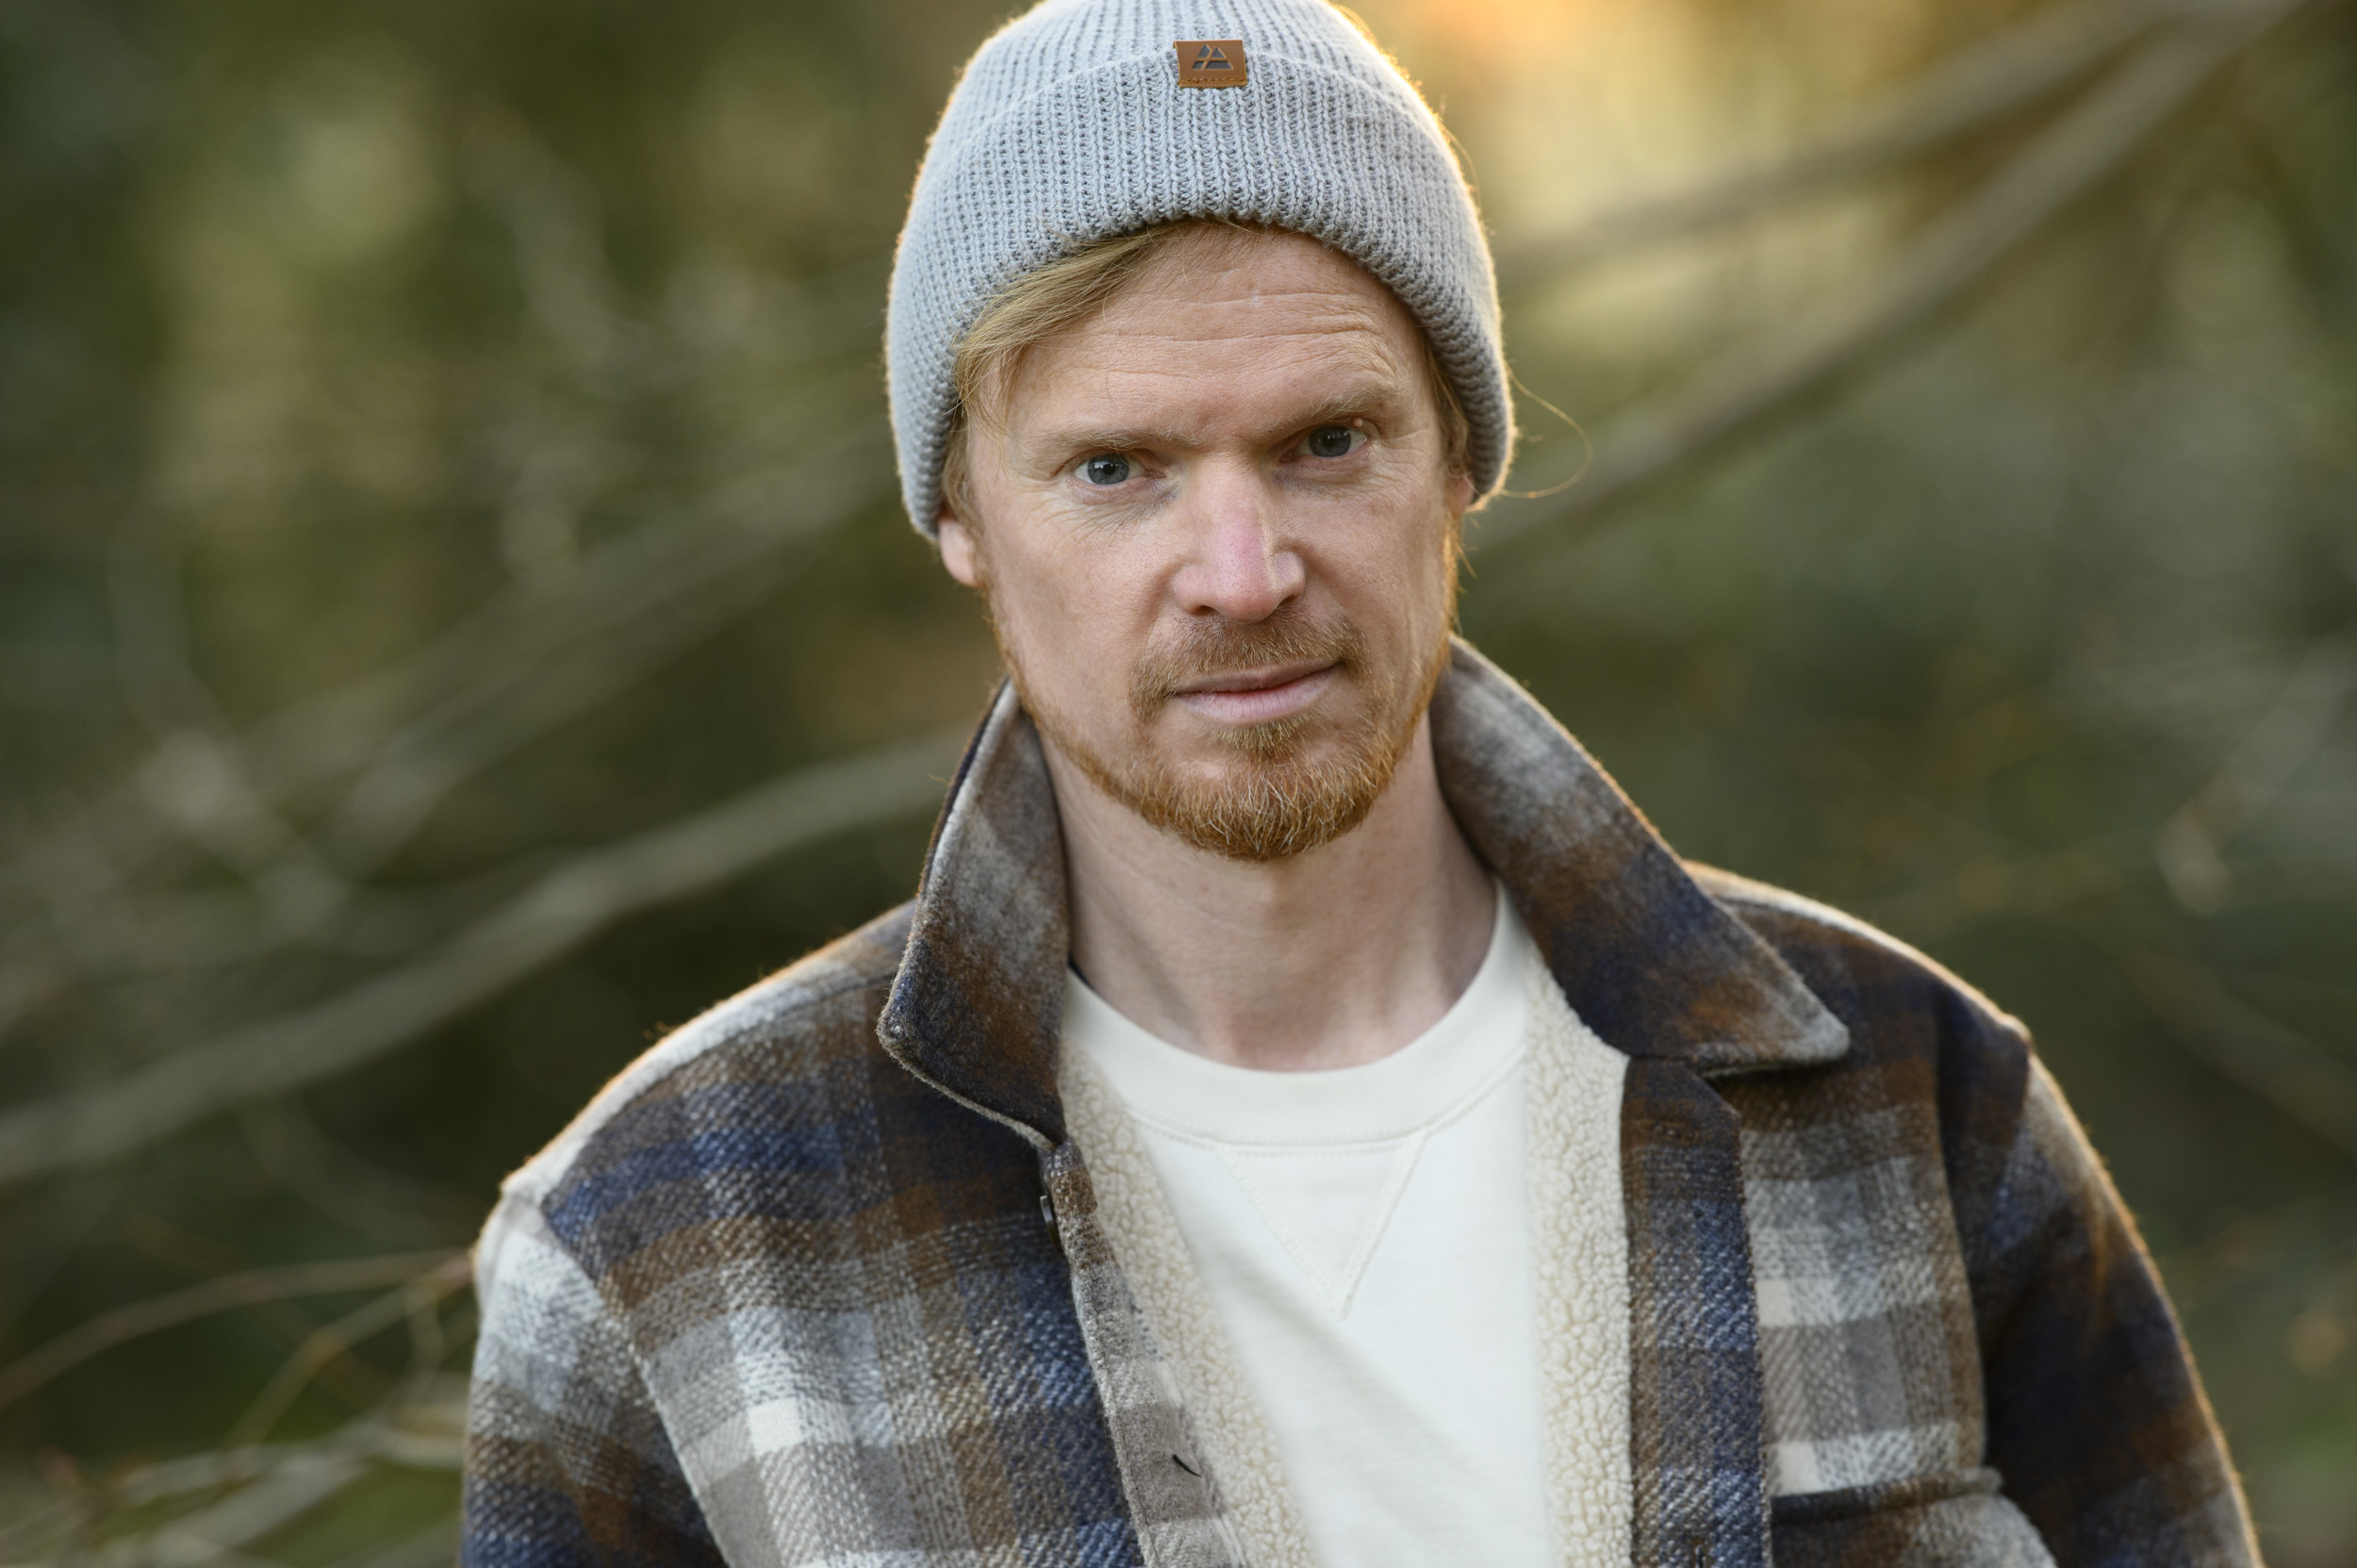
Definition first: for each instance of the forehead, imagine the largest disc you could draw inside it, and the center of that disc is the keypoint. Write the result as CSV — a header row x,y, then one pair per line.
x,y
1230,321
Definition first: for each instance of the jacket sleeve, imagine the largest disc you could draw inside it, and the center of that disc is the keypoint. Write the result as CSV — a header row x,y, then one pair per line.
x,y
2096,1419
567,1461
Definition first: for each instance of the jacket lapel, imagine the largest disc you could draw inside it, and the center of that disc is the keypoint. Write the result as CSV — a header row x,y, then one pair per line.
x,y
1649,960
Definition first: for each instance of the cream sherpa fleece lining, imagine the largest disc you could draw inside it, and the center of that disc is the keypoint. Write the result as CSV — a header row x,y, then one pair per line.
x,y
1245,1470
1579,1258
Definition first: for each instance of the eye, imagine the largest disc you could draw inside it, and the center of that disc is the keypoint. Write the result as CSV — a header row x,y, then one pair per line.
x,y
1107,467
1333,440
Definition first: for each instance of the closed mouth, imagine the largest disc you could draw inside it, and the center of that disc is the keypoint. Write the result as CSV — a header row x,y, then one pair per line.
x,y
1259,696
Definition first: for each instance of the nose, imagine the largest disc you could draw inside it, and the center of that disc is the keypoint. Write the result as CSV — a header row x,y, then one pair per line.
x,y
1238,563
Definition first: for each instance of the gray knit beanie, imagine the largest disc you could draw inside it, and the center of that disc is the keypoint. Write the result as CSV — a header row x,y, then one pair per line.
x,y
1071,125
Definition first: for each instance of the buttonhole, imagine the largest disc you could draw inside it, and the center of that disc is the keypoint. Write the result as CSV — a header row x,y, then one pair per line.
x,y
1185,1466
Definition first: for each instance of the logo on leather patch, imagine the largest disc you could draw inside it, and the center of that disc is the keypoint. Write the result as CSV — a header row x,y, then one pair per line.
x,y
1210,61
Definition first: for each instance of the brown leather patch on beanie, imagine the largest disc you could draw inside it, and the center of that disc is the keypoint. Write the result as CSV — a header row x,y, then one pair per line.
x,y
1210,61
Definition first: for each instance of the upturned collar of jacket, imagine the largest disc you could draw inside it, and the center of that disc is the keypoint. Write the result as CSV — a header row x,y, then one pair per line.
x,y
780,1297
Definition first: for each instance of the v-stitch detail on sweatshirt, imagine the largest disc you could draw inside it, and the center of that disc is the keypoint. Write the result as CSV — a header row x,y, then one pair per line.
x,y
1334,1271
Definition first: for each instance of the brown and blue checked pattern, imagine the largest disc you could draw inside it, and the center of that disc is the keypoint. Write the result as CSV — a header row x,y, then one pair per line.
x,y
788,1293
1694,1386
1966,1353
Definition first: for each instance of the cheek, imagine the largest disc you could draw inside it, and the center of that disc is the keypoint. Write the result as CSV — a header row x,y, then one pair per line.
x,y
1072,615
1395,568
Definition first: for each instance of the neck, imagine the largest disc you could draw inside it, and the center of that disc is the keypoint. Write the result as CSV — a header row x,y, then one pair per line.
x,y
1329,959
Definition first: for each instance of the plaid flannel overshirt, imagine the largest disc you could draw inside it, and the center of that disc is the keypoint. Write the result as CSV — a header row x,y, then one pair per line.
x,y
818,1280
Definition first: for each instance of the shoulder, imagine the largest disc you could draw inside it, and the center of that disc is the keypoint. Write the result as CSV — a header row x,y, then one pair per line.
x,y
787,1028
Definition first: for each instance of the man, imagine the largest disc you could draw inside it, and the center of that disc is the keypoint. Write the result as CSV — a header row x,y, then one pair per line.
x,y
1306,1116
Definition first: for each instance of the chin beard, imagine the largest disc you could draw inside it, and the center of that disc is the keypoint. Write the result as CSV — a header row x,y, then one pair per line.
x,y
1282,793
1264,807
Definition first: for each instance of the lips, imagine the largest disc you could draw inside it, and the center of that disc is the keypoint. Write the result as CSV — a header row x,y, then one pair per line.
x,y
1265,678
1259,696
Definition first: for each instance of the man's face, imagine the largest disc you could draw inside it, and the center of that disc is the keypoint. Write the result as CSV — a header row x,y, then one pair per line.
x,y
1218,533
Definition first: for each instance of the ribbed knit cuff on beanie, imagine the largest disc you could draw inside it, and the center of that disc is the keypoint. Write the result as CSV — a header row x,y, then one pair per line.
x,y
1070,125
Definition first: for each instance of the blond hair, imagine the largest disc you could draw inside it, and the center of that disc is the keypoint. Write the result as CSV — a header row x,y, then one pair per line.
x,y
1049,300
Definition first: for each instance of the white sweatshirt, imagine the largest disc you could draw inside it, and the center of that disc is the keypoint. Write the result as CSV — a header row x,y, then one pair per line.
x,y
1363,1239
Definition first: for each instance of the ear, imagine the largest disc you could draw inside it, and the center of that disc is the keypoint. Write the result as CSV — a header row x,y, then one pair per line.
x,y
959,551
1461,491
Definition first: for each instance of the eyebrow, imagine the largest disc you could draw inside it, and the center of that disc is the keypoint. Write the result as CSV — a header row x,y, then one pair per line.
x,y
1329,411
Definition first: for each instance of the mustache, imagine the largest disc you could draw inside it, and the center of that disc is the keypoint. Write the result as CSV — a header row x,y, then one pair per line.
x,y
1216,645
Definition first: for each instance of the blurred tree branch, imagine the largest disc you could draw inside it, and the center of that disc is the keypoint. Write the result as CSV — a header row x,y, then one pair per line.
x,y
2188,849
310,1163
252,1288
573,634
1970,88
1761,380
2302,1079
419,1433
2280,1064
2299,1079
560,910
512,672
407,1303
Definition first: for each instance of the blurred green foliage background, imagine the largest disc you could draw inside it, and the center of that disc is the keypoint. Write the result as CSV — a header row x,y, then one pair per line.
x,y
455,623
